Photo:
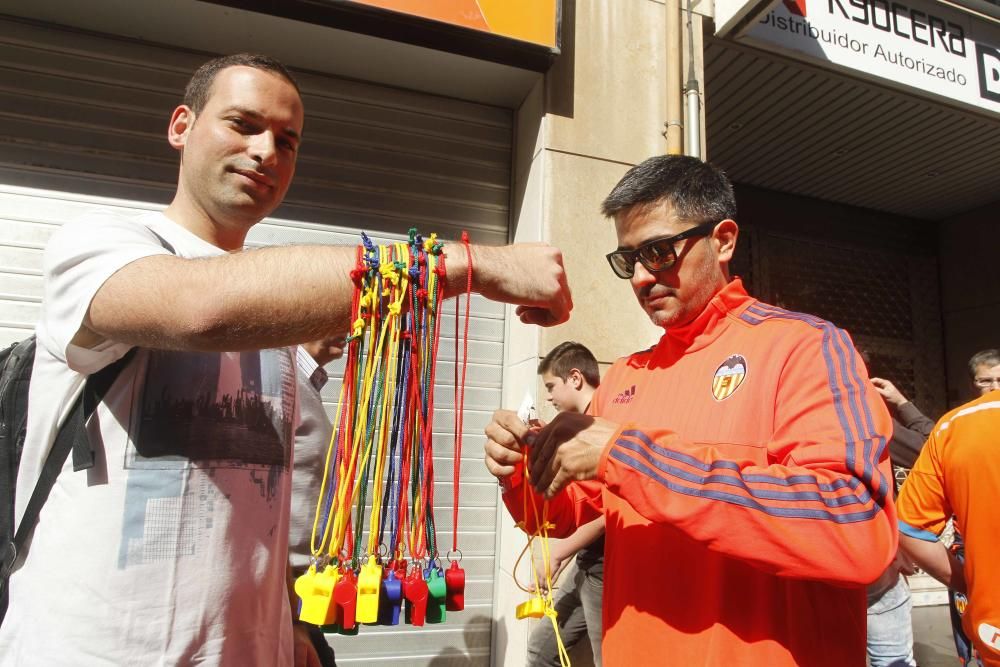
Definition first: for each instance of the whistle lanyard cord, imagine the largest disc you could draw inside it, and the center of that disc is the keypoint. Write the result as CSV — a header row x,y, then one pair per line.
x,y
459,403
396,453
418,491
384,432
382,411
355,427
325,507
542,532
436,289
324,502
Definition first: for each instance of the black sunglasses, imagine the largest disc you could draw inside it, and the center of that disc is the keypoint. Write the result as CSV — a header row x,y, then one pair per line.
x,y
656,255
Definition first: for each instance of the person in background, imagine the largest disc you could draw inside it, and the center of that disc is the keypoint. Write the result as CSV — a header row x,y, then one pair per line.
x,y
910,427
890,605
312,438
570,375
984,377
958,474
984,371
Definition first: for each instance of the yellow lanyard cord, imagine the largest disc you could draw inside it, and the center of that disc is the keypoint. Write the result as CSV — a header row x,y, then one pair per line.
x,y
347,464
418,522
392,324
353,355
544,599
318,549
371,297
363,429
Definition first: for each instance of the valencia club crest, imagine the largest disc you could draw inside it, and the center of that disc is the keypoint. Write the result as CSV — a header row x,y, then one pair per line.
x,y
729,376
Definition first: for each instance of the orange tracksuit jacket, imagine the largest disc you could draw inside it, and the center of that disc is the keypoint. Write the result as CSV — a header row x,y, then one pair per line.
x,y
747,493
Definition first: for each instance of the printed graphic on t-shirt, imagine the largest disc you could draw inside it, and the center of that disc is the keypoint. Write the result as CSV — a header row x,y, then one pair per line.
x,y
219,410
210,432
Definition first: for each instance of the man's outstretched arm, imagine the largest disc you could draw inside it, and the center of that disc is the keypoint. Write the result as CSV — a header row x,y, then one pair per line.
x,y
285,295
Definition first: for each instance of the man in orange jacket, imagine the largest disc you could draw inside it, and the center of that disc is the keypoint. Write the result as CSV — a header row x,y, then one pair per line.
x,y
740,463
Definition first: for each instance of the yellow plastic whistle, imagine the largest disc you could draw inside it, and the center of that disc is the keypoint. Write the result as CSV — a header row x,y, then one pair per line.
x,y
369,581
533,608
316,591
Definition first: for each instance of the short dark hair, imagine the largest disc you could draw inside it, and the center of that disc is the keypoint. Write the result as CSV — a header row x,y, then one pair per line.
x,y
568,355
199,88
697,191
988,358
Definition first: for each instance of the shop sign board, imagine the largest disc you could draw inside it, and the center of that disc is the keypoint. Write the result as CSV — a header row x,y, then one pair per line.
x,y
532,21
917,44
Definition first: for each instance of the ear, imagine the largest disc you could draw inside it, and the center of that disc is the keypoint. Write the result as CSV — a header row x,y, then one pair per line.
x,y
181,122
724,237
576,377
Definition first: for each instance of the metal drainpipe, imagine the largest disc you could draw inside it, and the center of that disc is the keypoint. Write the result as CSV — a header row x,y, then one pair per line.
x,y
674,130
693,118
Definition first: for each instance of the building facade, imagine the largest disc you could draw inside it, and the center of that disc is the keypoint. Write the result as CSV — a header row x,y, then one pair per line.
x,y
867,195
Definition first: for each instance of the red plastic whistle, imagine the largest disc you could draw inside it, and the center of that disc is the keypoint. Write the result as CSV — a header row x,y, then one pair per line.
x,y
454,579
345,596
416,594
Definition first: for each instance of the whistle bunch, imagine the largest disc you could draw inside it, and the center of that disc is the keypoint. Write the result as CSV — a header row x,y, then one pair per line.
x,y
382,446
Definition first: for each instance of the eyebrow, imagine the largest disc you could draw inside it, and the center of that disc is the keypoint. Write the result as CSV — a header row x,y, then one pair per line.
x,y
256,115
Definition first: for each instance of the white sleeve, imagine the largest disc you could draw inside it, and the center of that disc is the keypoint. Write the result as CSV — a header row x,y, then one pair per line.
x,y
78,259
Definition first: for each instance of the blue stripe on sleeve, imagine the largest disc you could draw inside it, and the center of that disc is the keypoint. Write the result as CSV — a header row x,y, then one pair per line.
x,y
761,478
917,533
729,480
712,494
835,341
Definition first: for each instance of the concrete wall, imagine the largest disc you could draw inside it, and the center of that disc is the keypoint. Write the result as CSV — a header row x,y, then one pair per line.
x,y
597,112
970,293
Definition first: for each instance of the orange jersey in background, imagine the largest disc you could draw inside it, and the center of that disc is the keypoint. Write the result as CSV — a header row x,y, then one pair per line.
x,y
747,493
958,473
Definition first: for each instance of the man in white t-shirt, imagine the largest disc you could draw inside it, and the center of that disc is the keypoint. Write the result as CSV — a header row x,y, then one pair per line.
x,y
172,549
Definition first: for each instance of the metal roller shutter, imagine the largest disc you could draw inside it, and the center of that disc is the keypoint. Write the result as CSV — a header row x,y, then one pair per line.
x,y
83,127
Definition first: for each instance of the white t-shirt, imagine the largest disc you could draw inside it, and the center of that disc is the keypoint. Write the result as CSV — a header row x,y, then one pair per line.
x,y
172,549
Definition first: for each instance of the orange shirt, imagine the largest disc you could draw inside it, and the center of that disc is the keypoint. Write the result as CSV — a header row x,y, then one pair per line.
x,y
958,473
747,493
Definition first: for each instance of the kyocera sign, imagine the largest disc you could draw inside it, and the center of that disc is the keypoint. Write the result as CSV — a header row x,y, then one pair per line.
x,y
930,47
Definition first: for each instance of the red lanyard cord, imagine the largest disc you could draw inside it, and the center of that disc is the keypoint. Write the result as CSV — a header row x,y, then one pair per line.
x,y
460,388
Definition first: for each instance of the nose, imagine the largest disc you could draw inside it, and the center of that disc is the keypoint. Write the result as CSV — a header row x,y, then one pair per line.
x,y
263,149
641,275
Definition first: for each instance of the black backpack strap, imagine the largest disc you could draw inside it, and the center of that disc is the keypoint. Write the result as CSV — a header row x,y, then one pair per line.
x,y
94,391
72,435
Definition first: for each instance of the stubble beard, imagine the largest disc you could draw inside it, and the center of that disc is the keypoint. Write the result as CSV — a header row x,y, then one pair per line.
x,y
679,313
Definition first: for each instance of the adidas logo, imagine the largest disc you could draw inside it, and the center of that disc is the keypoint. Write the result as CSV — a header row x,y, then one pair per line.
x,y
624,397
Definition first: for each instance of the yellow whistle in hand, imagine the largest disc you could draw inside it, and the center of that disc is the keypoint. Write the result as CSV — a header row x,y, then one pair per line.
x,y
533,608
